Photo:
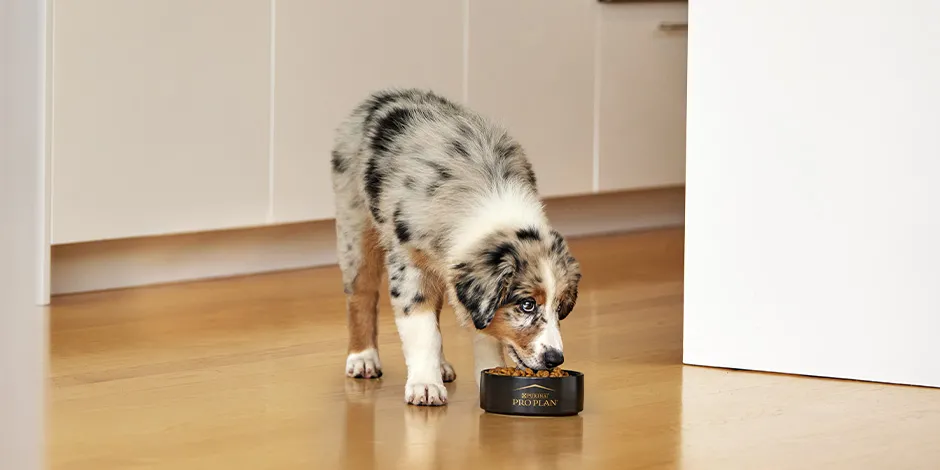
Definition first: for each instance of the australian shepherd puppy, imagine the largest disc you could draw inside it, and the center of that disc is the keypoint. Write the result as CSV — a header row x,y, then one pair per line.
x,y
446,203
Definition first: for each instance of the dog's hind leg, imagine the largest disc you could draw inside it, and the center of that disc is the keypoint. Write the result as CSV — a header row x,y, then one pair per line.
x,y
361,261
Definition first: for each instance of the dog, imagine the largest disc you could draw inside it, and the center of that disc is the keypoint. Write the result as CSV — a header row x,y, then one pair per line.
x,y
446,203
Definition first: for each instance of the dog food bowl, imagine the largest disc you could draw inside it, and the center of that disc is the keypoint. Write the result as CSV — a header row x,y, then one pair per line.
x,y
532,396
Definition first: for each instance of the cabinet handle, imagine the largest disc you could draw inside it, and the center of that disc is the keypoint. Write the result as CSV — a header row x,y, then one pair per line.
x,y
669,26
642,1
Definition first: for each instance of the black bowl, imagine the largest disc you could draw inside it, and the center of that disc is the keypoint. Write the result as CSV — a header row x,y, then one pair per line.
x,y
532,396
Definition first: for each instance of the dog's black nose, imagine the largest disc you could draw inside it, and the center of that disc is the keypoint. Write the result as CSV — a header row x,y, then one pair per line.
x,y
553,358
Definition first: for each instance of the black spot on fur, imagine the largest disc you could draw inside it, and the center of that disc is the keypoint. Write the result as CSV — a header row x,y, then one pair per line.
x,y
483,286
442,172
418,299
374,180
389,127
429,97
460,149
402,231
410,183
395,292
378,101
479,301
468,293
437,244
507,149
530,177
465,130
471,297
500,253
558,243
530,233
340,164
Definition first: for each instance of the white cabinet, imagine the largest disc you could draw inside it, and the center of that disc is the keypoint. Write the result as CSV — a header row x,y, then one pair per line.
x,y
531,66
159,116
642,93
329,56
173,116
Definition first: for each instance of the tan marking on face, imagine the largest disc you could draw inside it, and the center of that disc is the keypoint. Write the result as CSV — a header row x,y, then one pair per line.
x,y
363,303
503,329
539,295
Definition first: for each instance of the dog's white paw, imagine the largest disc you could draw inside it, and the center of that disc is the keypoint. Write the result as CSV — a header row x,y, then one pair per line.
x,y
364,365
447,372
425,394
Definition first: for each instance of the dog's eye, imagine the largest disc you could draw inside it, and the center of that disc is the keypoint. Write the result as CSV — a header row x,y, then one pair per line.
x,y
527,305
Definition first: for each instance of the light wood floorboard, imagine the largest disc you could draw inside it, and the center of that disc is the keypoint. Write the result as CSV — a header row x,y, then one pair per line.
x,y
247,373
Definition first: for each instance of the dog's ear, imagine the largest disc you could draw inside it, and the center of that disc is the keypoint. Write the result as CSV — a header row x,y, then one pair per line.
x,y
567,299
482,288
572,269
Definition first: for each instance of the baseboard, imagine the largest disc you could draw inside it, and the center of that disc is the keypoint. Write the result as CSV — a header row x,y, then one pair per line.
x,y
113,264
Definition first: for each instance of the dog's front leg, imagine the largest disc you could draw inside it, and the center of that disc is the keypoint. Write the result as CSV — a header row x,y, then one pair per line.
x,y
416,301
487,353
421,344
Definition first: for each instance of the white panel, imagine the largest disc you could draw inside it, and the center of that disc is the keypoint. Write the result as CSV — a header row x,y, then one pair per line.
x,y
811,229
641,110
160,116
23,324
329,56
531,66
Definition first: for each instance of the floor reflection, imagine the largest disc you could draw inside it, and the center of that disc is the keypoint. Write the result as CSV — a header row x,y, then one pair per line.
x,y
423,430
360,437
524,440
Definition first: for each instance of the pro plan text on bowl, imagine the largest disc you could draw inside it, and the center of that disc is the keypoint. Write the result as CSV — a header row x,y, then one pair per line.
x,y
446,203
561,394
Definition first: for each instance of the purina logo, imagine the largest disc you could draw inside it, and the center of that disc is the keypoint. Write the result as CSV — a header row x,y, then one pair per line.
x,y
533,395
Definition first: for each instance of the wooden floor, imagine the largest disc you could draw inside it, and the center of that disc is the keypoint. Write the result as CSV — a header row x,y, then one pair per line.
x,y
248,374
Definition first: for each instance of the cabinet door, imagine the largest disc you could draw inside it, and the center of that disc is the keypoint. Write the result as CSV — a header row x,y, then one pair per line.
x,y
329,56
531,66
641,110
160,116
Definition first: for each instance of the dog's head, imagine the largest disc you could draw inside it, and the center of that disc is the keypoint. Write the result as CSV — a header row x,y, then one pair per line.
x,y
516,286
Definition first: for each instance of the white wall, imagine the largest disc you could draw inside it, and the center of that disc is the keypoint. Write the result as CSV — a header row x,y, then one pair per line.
x,y
22,233
812,236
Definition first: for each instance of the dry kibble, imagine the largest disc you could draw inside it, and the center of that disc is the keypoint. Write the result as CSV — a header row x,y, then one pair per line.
x,y
514,372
